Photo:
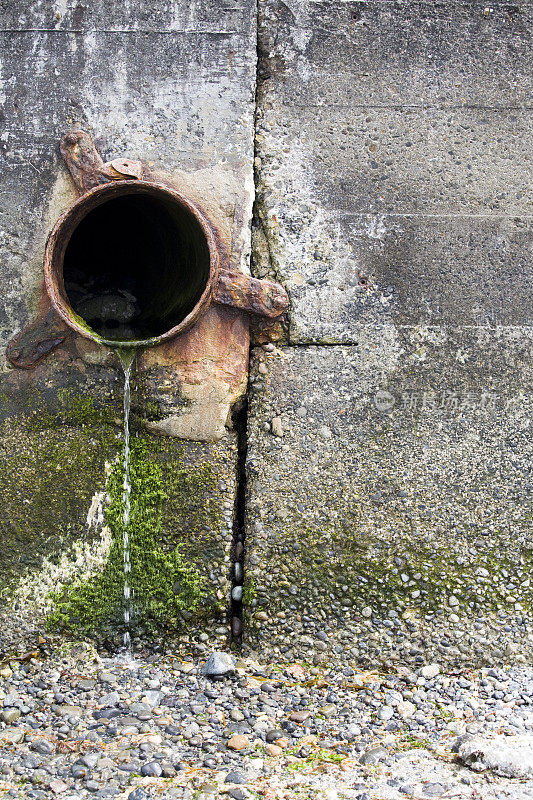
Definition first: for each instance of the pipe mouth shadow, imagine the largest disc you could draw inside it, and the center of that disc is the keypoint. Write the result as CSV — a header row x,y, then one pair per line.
x,y
131,263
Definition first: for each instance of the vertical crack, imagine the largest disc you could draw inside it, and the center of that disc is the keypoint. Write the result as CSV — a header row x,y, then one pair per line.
x,y
240,424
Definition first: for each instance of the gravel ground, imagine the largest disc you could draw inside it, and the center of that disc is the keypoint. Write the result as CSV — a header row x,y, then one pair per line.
x,y
75,725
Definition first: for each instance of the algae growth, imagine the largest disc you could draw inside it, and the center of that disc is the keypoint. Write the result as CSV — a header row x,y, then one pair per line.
x,y
164,584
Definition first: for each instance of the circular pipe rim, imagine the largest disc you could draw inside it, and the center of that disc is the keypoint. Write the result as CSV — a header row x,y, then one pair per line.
x,y
64,228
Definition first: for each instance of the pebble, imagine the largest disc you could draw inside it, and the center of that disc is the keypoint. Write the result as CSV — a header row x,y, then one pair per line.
x,y
430,671
273,736
299,716
274,750
218,664
237,742
236,593
276,426
373,755
236,777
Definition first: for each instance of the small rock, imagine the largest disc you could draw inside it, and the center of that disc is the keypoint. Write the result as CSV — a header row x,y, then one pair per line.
x,y
237,742
434,789
430,670
405,709
273,735
167,770
385,713
138,794
508,756
10,715
218,664
58,786
238,794
299,716
152,769
70,711
236,593
277,426
90,760
273,750
236,777
373,755
43,746
110,699
107,677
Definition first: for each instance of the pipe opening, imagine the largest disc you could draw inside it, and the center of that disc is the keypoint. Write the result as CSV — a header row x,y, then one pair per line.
x,y
135,265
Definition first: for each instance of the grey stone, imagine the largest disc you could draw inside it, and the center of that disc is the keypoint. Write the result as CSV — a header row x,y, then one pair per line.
x,y
274,734
236,777
10,715
43,746
152,769
385,713
373,755
12,736
90,759
218,664
110,699
236,593
138,794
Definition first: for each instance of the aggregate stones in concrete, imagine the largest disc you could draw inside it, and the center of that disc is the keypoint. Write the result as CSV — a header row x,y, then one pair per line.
x,y
385,505
75,725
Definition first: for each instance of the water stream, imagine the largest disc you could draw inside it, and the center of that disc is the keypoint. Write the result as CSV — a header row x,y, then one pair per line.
x,y
127,359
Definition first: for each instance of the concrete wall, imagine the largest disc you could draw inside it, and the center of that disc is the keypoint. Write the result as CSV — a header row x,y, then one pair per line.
x,y
387,447
172,84
390,520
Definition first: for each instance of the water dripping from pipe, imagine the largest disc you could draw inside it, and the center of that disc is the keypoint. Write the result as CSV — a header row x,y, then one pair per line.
x,y
127,359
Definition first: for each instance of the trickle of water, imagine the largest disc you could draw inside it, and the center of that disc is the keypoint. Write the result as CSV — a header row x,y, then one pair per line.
x,y
127,359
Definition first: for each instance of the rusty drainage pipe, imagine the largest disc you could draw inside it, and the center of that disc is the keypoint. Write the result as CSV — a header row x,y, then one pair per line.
x,y
132,262
140,253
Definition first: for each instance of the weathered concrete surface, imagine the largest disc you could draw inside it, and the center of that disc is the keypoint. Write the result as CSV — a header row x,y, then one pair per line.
x,y
173,85
388,469
393,144
387,506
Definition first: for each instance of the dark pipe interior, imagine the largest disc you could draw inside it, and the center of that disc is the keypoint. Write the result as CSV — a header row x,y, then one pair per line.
x,y
136,266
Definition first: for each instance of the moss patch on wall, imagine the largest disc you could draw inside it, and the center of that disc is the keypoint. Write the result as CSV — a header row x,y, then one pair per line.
x,y
358,571
163,583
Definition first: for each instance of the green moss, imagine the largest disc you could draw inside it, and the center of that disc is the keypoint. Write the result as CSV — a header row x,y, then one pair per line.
x,y
164,583
361,571
71,408
250,591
